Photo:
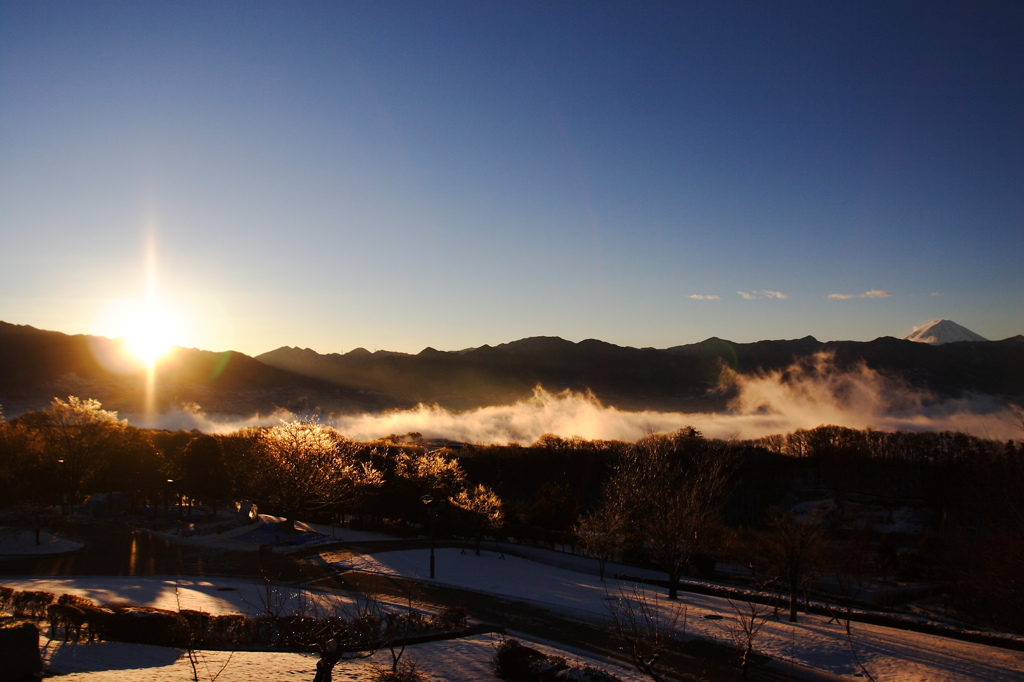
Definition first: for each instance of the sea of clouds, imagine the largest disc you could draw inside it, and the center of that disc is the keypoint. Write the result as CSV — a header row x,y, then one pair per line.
x,y
807,394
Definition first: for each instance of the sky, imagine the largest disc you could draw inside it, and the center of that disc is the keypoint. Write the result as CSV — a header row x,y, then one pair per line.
x,y
398,175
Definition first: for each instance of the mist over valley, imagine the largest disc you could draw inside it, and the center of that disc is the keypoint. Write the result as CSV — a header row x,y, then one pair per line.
x,y
519,391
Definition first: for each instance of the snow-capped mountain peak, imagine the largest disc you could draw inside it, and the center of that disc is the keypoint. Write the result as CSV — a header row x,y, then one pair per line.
x,y
943,331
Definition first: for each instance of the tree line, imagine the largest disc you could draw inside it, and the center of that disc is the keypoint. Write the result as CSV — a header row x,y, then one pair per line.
x,y
776,509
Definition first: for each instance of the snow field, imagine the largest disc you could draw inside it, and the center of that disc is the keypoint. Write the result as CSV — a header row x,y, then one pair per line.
x,y
889,654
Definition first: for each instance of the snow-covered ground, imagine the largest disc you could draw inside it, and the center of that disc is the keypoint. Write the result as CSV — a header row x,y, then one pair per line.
x,y
22,542
458,660
889,654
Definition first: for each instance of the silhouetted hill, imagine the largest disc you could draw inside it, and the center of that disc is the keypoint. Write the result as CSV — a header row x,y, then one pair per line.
x,y
950,369
36,365
679,378
625,377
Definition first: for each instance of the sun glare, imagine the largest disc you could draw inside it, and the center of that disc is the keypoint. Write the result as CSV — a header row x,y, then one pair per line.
x,y
147,329
149,337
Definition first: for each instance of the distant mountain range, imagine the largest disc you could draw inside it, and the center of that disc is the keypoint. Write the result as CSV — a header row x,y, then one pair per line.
x,y
36,365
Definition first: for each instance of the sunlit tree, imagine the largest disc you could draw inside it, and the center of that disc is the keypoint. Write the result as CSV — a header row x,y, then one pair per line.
x,y
302,467
416,472
481,508
78,437
435,472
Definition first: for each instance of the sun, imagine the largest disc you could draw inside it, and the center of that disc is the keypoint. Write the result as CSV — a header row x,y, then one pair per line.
x,y
147,329
149,336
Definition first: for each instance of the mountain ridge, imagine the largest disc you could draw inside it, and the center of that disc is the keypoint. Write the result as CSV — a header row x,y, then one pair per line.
x,y
36,365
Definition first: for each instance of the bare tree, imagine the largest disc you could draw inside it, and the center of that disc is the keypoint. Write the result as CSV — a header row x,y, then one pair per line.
x,y
793,547
851,566
602,533
671,490
336,631
646,629
753,610
358,633
745,627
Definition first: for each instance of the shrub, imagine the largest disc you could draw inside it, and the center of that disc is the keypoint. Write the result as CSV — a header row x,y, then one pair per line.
x,y
97,619
405,671
232,629
410,622
6,595
512,660
587,674
452,618
198,623
75,600
144,625
31,603
515,662
67,617
296,631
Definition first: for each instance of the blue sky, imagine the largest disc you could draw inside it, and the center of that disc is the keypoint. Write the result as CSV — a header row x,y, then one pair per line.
x,y
396,175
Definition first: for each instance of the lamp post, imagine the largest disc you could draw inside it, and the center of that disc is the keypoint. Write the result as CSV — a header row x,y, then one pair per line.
x,y
431,511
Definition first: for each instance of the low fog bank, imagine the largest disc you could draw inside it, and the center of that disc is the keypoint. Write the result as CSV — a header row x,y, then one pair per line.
x,y
808,394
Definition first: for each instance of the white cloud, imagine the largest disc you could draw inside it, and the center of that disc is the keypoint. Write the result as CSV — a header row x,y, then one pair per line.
x,y
805,395
762,293
703,297
874,293
936,293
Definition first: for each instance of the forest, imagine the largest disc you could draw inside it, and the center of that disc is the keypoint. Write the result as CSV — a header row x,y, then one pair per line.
x,y
852,516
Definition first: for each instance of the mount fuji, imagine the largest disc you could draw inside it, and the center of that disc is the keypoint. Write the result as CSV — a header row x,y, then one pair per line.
x,y
938,332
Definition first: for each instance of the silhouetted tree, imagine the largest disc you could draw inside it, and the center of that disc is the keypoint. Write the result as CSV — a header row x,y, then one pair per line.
x,y
672,489
551,513
201,471
646,629
136,468
793,547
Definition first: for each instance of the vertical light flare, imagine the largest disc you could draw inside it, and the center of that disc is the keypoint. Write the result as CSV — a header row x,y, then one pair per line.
x,y
150,312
